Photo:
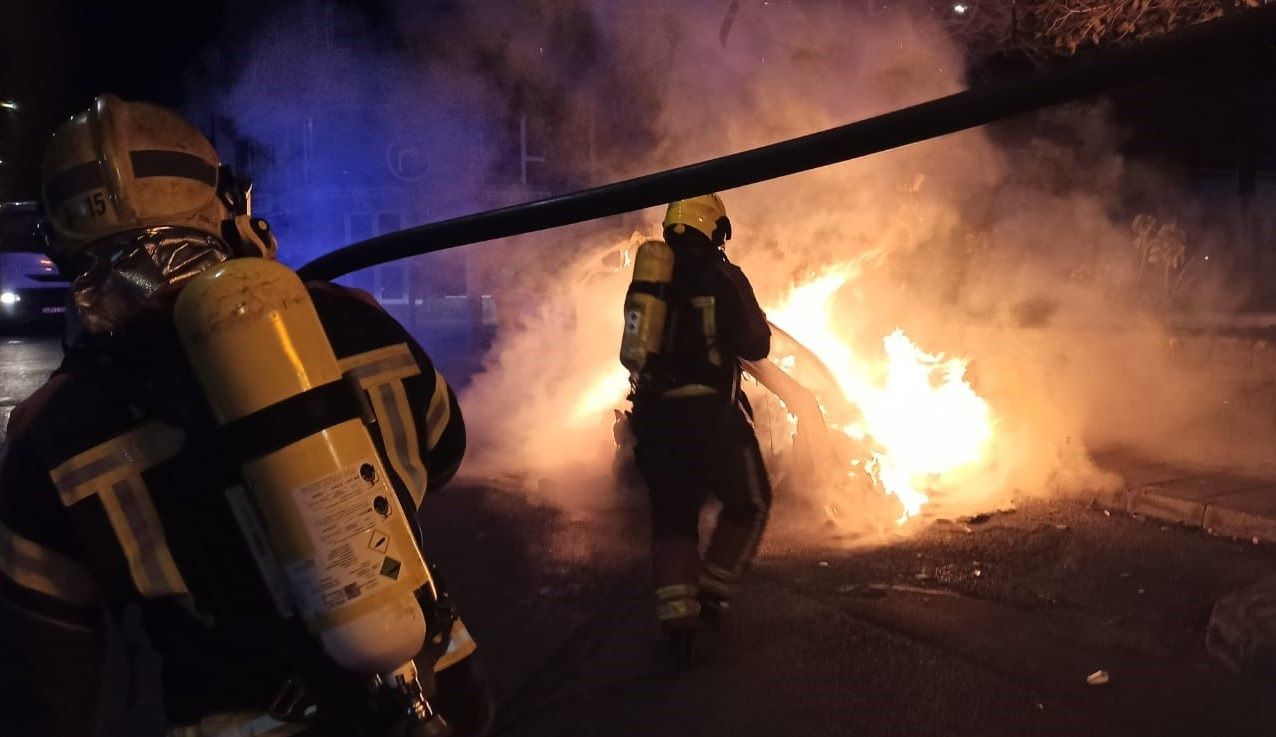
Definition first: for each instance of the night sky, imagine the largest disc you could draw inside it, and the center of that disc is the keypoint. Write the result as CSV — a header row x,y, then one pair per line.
x,y
55,55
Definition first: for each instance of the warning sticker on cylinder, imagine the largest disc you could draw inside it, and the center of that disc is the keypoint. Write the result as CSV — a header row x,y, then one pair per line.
x,y
345,519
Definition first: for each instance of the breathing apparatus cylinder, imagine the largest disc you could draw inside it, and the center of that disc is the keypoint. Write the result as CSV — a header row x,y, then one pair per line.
x,y
312,472
645,306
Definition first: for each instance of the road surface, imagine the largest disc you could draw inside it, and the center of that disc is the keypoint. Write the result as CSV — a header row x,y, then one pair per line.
x,y
984,627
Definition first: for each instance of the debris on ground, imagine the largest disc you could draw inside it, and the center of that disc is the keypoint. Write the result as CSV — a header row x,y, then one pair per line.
x,y
1242,630
1098,678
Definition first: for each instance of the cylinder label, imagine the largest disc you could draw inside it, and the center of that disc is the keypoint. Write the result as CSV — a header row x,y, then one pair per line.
x,y
350,518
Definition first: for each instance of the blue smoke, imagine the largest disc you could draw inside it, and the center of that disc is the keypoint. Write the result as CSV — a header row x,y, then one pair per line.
x,y
346,137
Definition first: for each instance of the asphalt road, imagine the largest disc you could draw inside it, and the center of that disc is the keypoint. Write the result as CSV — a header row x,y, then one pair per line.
x,y
988,632
986,627
24,365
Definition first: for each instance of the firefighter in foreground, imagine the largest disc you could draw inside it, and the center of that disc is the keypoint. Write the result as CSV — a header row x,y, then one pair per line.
x,y
228,458
690,318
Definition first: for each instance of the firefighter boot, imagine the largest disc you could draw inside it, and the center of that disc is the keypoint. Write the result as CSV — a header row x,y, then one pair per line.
x,y
678,610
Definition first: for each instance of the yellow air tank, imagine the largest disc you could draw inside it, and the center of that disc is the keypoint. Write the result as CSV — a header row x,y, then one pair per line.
x,y
351,562
645,306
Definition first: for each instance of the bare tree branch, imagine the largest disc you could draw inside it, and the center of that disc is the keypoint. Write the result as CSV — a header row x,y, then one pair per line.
x,y
1047,28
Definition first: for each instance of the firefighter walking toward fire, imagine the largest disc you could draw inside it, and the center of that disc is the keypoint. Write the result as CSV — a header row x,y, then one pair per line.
x,y
228,458
690,318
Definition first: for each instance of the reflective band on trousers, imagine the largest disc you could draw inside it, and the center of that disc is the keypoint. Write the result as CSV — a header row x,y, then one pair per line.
x,y
677,601
718,580
35,567
112,472
380,373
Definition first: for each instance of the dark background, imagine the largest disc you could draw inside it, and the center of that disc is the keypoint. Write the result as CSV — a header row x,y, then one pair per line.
x,y
55,55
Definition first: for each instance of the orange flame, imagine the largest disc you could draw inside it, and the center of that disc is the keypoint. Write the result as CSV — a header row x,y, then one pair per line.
x,y
605,391
921,419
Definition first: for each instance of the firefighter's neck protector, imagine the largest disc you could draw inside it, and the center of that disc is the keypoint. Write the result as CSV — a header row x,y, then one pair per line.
x,y
135,272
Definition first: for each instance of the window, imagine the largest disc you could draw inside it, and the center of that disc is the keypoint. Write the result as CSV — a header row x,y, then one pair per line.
x,y
391,279
358,226
392,283
388,283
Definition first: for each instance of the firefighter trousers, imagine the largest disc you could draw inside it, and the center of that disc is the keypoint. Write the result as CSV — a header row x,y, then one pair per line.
x,y
689,449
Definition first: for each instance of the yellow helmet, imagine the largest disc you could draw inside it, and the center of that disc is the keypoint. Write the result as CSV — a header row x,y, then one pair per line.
x,y
123,166
705,214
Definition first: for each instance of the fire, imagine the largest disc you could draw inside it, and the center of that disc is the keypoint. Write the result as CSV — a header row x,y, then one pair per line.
x,y
605,391
920,428
922,422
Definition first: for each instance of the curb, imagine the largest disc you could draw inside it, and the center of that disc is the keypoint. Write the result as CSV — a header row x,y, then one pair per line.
x,y
1214,518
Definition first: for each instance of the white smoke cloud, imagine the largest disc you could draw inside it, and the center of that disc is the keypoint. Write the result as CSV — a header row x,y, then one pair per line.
x,y
1016,254
1015,251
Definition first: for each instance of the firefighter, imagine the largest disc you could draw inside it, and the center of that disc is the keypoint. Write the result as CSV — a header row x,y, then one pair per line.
x,y
120,507
690,318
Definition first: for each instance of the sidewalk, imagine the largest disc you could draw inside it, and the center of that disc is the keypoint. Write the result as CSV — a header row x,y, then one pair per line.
x,y
1217,501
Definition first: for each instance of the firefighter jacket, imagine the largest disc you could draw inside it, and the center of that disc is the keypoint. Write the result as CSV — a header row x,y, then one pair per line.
x,y
113,497
714,322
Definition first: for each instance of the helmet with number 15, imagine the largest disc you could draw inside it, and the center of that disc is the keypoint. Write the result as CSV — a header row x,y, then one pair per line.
x,y
121,167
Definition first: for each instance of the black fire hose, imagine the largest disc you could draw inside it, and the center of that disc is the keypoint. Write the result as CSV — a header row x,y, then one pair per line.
x,y
974,107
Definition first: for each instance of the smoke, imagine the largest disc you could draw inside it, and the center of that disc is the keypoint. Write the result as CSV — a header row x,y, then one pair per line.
x,y
907,217
781,73
1017,248
344,133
